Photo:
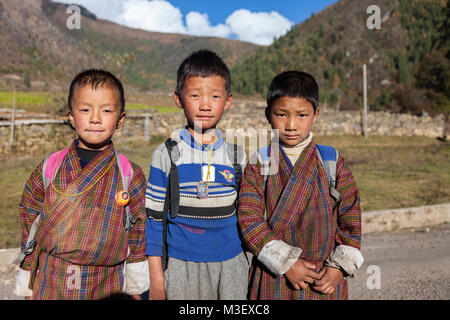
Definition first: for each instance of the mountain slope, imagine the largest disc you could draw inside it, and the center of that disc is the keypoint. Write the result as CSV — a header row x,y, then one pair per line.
x,y
335,43
41,47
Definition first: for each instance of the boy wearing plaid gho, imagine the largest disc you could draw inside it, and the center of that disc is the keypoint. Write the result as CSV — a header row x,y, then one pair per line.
x,y
304,241
83,208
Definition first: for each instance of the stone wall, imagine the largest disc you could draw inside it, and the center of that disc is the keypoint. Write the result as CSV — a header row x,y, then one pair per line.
x,y
248,117
243,119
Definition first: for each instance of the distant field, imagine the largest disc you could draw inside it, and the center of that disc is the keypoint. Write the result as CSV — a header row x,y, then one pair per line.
x,y
391,172
160,109
397,172
48,102
37,102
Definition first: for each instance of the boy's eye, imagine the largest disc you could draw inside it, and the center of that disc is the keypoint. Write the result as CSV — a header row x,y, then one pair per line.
x,y
280,115
107,111
302,115
216,97
194,96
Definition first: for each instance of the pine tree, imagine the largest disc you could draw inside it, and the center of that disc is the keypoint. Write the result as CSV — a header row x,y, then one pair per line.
x,y
403,73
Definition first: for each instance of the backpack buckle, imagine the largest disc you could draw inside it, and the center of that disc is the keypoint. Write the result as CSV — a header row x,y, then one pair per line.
x,y
29,247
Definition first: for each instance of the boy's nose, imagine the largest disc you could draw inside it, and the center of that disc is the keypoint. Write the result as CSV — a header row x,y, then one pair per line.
x,y
290,124
205,105
95,117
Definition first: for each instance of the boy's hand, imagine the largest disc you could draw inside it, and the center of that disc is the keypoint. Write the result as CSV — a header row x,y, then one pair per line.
x,y
157,293
156,290
300,273
330,278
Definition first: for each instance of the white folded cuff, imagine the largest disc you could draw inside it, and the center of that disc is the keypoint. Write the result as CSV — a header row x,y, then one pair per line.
x,y
21,286
137,277
278,256
346,258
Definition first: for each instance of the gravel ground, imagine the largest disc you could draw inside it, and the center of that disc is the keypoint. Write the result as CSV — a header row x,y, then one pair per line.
x,y
411,264
7,279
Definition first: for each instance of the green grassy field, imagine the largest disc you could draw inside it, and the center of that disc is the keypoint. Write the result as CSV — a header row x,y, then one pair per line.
x,y
391,172
159,109
48,102
38,102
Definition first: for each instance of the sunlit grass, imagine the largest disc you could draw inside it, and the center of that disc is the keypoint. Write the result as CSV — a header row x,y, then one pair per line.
x,y
38,102
159,109
47,102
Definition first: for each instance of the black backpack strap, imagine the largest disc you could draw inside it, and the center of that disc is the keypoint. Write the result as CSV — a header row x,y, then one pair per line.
x,y
237,167
174,182
172,199
236,155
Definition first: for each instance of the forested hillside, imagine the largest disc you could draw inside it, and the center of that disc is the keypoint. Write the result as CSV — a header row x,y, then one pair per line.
x,y
407,59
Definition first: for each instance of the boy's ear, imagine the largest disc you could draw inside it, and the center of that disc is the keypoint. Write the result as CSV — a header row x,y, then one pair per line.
x,y
316,115
177,99
121,120
228,102
267,113
71,119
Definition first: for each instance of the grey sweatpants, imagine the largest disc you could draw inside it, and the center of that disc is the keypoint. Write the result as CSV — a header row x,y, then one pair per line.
x,y
224,280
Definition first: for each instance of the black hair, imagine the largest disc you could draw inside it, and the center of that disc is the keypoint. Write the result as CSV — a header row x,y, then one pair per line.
x,y
203,63
97,78
294,84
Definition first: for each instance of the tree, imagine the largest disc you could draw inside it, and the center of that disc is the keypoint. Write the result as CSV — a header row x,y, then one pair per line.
x,y
433,74
27,80
402,66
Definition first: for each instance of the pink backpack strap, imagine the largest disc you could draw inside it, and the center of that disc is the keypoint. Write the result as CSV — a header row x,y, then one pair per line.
x,y
126,172
126,165
51,166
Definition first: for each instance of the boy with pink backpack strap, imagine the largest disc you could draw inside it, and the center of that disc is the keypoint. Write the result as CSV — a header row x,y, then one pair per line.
x,y
83,208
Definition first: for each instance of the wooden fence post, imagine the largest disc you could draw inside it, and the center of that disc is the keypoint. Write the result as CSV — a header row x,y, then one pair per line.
x,y
147,127
364,117
13,118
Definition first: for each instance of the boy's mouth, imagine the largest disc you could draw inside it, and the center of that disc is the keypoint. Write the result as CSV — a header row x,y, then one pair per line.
x,y
291,136
204,118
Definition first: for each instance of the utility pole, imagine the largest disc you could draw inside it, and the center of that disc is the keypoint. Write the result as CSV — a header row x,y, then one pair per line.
x,y
147,127
364,115
13,118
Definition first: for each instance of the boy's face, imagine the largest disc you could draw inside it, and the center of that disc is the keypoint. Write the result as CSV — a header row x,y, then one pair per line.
x,y
203,100
293,117
95,115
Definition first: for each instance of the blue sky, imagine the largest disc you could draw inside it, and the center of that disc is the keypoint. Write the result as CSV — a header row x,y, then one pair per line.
x,y
256,21
295,10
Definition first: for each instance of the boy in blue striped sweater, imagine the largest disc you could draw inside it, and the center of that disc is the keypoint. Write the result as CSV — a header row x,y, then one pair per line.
x,y
204,249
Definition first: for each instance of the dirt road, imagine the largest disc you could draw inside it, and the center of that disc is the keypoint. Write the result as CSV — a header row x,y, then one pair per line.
x,y
412,264
406,264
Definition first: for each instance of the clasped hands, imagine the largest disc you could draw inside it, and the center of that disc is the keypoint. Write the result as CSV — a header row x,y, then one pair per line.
x,y
302,274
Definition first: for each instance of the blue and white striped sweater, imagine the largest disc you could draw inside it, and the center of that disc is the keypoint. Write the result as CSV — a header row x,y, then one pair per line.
x,y
205,230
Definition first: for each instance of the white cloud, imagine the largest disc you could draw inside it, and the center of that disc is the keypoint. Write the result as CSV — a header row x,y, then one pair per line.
x,y
258,27
161,16
198,24
153,15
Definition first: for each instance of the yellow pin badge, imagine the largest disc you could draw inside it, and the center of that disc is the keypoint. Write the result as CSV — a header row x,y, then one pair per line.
x,y
122,198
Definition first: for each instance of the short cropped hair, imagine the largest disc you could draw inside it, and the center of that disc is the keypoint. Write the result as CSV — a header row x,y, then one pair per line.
x,y
294,84
97,78
203,63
